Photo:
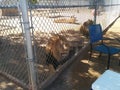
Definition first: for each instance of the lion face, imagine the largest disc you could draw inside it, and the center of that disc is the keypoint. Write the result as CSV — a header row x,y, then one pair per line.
x,y
57,45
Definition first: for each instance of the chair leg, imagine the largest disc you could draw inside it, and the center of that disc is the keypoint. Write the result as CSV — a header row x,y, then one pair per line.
x,y
119,60
119,63
108,63
100,54
90,55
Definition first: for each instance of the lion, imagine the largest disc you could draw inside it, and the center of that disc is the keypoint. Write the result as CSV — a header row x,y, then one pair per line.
x,y
56,46
84,28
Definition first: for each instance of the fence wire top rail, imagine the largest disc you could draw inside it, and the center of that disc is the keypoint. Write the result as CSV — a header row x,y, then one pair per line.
x,y
59,3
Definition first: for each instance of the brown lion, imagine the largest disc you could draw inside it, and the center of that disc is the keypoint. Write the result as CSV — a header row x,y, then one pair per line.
x,y
84,28
56,46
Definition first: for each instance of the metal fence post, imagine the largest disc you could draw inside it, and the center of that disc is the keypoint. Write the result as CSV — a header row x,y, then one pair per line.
x,y
26,26
95,14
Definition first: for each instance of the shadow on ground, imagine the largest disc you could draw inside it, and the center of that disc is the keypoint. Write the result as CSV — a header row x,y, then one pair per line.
x,y
81,74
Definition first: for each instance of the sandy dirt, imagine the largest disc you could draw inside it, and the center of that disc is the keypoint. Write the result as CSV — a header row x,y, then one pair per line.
x,y
81,74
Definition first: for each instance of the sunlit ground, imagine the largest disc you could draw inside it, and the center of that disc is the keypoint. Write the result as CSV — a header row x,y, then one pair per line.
x,y
81,74
6,84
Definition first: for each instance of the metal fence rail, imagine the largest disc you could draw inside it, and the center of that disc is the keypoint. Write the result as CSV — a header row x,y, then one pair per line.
x,y
38,37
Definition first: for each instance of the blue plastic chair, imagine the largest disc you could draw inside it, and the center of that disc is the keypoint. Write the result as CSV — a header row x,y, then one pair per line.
x,y
95,35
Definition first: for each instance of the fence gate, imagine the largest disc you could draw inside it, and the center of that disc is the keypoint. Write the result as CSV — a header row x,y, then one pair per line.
x,y
55,28
13,52
36,40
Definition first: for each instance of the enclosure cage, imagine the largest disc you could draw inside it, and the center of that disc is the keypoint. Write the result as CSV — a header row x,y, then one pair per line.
x,y
38,37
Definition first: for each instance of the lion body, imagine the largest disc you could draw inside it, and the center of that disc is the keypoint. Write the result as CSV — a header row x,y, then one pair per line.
x,y
55,47
84,28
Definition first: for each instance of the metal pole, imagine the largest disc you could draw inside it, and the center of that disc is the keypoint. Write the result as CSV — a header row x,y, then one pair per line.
x,y
26,27
95,14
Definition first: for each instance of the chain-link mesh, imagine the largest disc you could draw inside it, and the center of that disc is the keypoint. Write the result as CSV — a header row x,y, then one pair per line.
x,y
12,45
56,35
58,31
107,11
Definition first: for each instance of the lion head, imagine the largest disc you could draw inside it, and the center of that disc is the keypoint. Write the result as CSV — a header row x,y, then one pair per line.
x,y
57,45
85,26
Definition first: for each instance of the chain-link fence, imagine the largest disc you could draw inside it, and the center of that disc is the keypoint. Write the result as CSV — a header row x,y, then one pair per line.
x,y
107,11
55,31
13,57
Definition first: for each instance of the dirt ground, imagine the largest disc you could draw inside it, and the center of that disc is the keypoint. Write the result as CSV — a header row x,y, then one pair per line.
x,y
6,84
81,74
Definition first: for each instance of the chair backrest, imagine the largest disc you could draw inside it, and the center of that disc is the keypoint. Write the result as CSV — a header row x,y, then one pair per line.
x,y
95,33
